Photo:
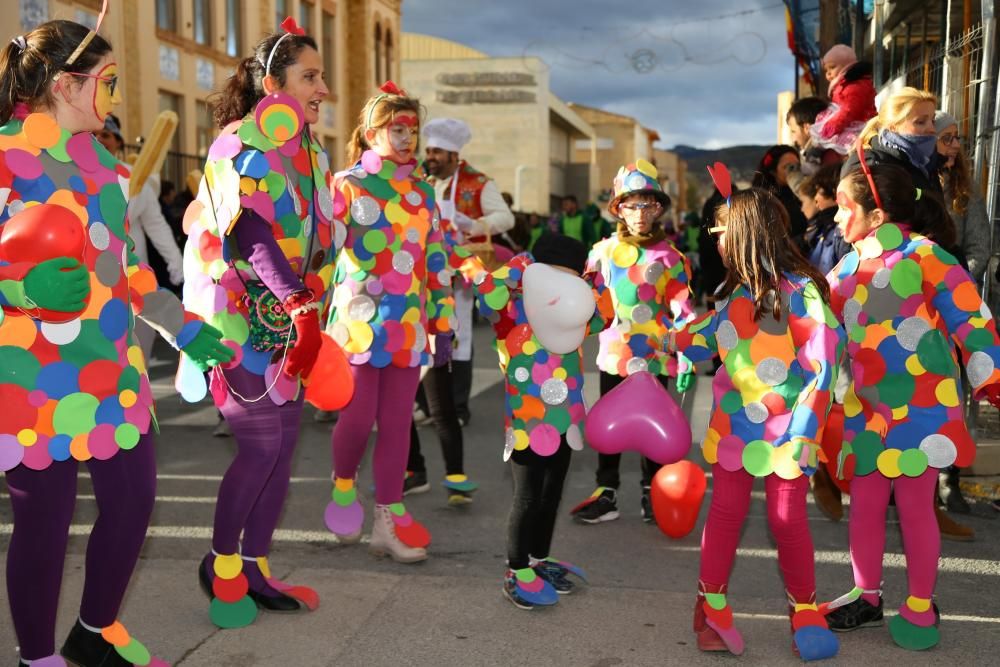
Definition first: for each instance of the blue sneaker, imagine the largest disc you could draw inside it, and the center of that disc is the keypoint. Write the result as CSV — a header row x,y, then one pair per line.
x,y
555,572
526,589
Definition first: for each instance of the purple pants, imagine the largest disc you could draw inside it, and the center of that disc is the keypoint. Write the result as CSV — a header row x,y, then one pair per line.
x,y
43,502
384,395
253,490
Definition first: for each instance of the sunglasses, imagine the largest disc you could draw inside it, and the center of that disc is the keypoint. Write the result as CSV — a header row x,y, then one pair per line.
x,y
112,81
949,139
640,206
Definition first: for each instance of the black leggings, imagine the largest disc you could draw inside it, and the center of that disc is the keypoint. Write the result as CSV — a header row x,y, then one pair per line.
x,y
438,390
538,484
608,464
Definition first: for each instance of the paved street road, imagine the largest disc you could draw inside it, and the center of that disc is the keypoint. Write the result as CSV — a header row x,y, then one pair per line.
x,y
449,610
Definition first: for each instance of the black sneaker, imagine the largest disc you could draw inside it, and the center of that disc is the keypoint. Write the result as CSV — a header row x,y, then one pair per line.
x,y
415,482
555,574
854,615
646,505
84,647
601,506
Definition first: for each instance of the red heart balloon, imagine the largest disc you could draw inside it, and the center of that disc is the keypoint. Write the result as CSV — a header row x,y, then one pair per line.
x,y
676,493
330,385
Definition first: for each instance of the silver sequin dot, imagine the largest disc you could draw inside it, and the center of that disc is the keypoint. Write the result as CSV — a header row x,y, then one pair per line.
x,y
419,337
985,313
721,304
402,261
413,235
727,336
881,278
756,412
940,450
508,443
910,331
340,334
307,227
772,371
642,314
635,365
325,203
361,308
635,182
852,311
444,277
15,207
100,237
365,211
108,269
574,438
296,202
554,391
413,198
980,368
653,273
521,374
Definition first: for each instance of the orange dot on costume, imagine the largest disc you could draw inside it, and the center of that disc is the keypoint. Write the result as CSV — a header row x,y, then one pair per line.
x,y
127,398
78,448
966,296
116,634
41,130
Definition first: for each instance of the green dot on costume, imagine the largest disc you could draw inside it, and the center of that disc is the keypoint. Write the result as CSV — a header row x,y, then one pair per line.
x,y
398,509
104,157
716,601
374,241
515,402
228,615
757,458
379,188
934,354
857,333
344,498
90,345
251,135
59,150
790,389
75,414
113,205
913,637
978,339
867,445
129,379
731,402
627,293
896,389
558,417
739,356
943,255
276,185
497,298
913,462
889,236
134,652
19,367
906,278
127,436
291,225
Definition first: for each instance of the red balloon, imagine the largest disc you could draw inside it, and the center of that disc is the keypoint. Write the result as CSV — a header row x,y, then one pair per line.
x,y
39,233
330,385
677,492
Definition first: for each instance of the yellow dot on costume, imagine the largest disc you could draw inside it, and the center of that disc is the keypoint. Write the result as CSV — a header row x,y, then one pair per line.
x,y
918,605
913,365
625,255
749,384
710,446
861,294
502,272
646,168
900,413
521,440
411,316
343,484
784,462
265,568
26,437
529,347
888,463
457,479
227,567
127,398
803,607
947,393
395,214
248,185
559,373
290,247
361,337
135,358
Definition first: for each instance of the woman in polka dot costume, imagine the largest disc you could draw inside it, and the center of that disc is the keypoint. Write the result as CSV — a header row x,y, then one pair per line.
x,y
264,212
904,302
73,382
779,345
648,279
391,292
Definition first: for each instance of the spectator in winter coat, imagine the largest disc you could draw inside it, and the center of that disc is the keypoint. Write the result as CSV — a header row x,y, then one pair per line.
x,y
853,97
800,118
772,175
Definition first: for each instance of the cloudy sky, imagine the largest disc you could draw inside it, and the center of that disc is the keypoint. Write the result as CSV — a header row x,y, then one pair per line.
x,y
701,73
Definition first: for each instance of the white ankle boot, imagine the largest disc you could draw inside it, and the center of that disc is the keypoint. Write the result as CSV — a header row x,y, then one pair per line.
x,y
385,542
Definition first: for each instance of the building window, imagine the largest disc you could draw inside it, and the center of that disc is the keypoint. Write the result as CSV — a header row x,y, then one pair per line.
x,y
329,44
205,128
305,16
234,28
378,56
166,15
280,12
388,54
202,21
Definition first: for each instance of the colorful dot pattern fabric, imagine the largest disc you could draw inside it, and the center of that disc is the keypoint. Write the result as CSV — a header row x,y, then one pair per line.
x,y
392,284
772,392
543,390
905,303
78,388
287,183
650,290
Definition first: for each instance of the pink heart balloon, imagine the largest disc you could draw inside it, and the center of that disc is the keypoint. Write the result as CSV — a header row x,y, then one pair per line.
x,y
639,415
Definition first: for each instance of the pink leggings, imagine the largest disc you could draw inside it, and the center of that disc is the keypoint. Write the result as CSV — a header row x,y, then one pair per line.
x,y
786,515
921,536
384,395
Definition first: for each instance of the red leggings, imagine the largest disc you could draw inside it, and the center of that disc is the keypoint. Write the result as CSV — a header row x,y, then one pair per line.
x,y
786,515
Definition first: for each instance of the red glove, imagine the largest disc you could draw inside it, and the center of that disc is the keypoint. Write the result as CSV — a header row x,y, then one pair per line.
x,y
304,309
992,392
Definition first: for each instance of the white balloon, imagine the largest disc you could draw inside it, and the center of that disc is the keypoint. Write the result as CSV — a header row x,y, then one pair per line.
x,y
558,305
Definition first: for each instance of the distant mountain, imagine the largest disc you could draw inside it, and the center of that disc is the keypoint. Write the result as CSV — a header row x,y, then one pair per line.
x,y
741,160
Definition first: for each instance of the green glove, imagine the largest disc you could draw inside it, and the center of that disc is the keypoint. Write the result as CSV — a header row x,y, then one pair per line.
x,y
206,348
61,284
684,381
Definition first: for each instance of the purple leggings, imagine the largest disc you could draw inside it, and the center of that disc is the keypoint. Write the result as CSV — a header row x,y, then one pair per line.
x,y
253,490
384,395
43,503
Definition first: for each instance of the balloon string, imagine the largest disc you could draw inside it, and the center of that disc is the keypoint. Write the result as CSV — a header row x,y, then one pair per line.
x,y
274,382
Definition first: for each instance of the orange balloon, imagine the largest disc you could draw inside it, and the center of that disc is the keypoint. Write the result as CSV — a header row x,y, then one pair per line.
x,y
677,492
330,384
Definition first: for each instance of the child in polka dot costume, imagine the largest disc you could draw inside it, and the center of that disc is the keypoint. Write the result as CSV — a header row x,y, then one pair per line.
x,y
391,292
73,381
904,302
779,345
648,280
544,397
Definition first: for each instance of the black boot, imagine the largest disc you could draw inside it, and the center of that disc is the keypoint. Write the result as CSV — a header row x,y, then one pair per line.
x,y
951,492
89,649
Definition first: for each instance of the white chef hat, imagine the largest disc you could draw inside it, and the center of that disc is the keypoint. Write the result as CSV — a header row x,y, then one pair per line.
x,y
450,134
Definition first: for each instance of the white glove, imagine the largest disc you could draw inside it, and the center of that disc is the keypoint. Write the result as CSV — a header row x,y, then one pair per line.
x,y
464,222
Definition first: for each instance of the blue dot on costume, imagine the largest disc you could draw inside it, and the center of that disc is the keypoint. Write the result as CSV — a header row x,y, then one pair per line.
x,y
894,357
59,447
58,379
77,184
252,163
114,319
541,356
906,435
361,252
110,411
392,306
436,262
803,420
380,358
849,265
254,361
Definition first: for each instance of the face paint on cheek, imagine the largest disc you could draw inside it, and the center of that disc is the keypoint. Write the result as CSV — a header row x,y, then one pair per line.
x,y
104,101
850,218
